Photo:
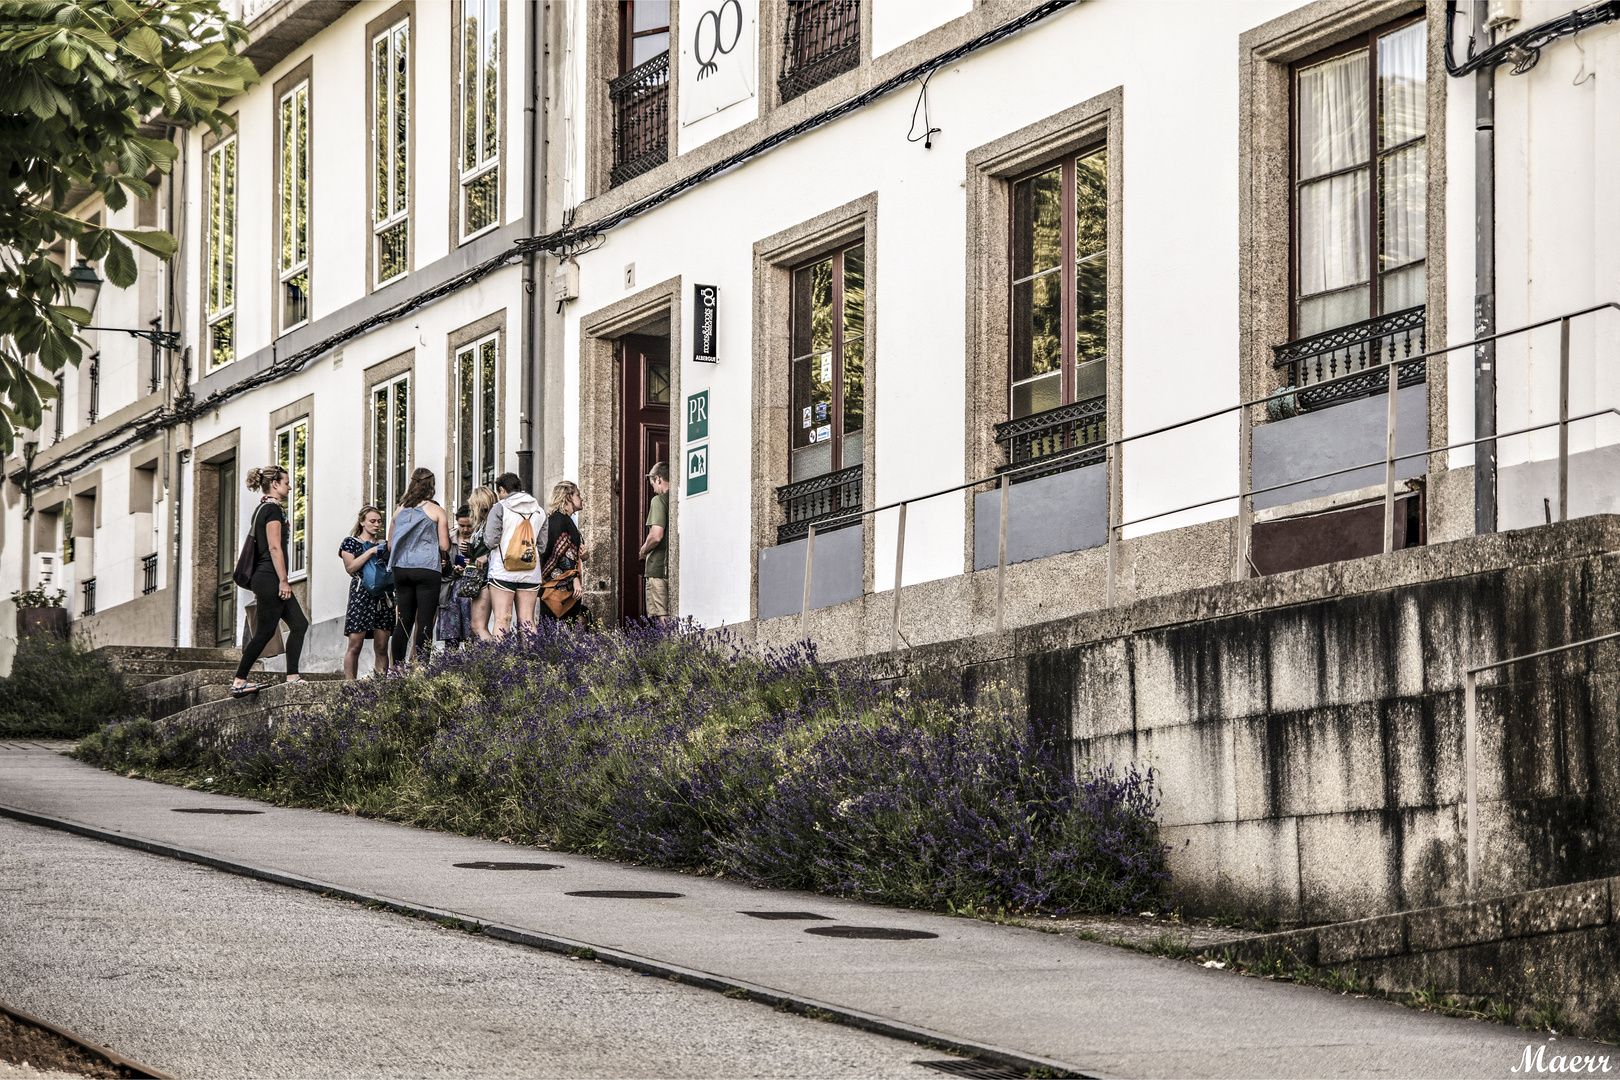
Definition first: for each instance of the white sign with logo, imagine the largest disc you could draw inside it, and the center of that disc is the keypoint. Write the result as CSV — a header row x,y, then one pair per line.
x,y
719,64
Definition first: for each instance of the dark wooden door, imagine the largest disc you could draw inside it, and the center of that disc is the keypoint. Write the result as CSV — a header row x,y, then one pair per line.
x,y
645,413
224,586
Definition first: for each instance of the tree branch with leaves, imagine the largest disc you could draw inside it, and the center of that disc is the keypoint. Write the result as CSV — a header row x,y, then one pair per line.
x,y
77,83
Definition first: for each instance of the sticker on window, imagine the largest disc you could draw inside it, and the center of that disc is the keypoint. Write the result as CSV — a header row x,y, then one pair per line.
x,y
806,416
821,413
824,433
826,367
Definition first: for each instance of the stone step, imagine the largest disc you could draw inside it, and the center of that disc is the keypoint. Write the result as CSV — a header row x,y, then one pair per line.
x,y
165,668
156,652
167,696
217,720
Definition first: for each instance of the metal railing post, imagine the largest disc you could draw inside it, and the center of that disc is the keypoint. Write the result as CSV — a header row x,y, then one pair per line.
x,y
1001,558
1563,420
1113,530
1471,737
1245,522
899,565
1389,461
809,566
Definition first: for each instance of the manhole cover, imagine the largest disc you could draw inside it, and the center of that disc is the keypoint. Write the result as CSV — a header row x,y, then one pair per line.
x,y
213,810
626,894
880,933
802,915
977,1070
509,865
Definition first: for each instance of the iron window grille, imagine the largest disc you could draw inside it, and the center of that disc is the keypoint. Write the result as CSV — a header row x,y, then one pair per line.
x,y
640,100
829,500
822,40
149,574
1068,437
88,604
1365,348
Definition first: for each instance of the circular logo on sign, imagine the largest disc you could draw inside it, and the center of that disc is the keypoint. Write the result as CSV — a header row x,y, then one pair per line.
x,y
718,31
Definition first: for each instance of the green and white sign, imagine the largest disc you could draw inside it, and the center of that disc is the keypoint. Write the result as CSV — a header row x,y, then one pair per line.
x,y
697,416
697,470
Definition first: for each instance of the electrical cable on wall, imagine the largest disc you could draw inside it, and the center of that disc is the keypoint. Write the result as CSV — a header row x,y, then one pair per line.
x,y
927,137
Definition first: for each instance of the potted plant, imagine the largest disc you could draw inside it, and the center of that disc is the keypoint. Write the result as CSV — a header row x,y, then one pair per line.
x,y
41,612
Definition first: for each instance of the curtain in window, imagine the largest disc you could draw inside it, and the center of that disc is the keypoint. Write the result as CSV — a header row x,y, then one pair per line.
x,y
1334,231
1402,198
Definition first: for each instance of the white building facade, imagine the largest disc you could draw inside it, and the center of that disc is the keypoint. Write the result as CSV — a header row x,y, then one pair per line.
x,y
831,256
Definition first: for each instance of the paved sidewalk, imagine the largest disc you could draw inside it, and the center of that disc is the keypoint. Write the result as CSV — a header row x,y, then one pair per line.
x,y
1095,1009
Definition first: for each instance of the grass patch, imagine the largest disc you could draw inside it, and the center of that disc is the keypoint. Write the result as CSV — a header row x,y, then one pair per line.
x,y
685,751
58,690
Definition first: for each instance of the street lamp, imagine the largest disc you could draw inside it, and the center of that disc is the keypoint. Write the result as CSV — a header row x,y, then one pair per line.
x,y
87,290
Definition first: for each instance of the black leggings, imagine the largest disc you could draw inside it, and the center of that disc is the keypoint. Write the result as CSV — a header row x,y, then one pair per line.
x,y
418,595
272,609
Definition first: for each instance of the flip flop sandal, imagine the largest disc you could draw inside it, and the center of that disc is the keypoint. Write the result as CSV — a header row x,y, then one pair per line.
x,y
246,690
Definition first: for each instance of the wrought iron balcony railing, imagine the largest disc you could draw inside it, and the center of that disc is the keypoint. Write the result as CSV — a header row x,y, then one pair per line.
x,y
1069,436
149,574
88,607
818,501
823,39
640,100
1363,347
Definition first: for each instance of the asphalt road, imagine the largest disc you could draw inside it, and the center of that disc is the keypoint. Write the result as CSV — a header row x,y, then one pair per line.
x,y
203,973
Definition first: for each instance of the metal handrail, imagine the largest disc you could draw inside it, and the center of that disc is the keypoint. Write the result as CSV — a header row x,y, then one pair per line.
x,y
1471,740
1245,493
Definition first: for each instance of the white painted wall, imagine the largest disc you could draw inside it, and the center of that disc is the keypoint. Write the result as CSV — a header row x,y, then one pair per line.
x,y
895,22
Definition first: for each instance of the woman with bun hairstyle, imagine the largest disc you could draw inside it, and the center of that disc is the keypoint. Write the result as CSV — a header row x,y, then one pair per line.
x,y
418,545
271,590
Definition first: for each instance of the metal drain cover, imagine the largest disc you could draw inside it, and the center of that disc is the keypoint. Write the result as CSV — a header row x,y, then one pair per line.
x,y
509,865
627,894
213,810
879,933
972,1068
802,915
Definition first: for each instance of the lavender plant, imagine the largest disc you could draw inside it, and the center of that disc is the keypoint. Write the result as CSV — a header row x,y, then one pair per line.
x,y
683,749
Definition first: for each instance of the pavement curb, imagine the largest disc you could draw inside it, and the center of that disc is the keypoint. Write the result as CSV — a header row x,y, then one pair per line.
x,y
105,1053
735,988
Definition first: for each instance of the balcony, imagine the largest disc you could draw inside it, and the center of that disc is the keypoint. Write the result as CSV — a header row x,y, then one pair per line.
x,y
640,99
823,40
821,499
1067,437
88,606
1362,348
149,574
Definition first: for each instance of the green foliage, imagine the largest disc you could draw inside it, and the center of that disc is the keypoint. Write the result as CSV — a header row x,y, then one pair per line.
x,y
1167,944
37,597
1547,1015
59,690
78,82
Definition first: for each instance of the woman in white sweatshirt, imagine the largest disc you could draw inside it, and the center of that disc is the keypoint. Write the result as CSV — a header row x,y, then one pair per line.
x,y
514,563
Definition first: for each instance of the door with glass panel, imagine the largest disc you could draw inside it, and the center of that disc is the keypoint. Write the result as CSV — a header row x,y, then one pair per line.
x,y
1359,178
645,397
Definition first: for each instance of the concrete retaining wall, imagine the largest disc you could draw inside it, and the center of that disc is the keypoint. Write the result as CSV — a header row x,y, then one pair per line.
x,y
1307,728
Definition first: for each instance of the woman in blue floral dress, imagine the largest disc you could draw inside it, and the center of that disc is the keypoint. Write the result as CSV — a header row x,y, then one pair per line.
x,y
367,616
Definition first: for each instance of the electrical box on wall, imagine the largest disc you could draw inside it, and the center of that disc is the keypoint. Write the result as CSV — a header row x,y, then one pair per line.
x,y
565,282
1502,13
45,568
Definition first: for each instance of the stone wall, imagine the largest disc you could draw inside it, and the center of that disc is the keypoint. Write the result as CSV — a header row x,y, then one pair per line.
x,y
1307,728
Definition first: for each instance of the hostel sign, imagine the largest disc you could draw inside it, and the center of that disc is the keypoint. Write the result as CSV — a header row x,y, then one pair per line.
x,y
705,324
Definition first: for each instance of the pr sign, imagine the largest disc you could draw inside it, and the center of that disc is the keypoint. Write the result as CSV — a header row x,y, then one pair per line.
x,y
697,416
705,319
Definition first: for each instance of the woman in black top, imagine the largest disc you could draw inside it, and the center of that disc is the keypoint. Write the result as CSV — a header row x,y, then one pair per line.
x,y
271,590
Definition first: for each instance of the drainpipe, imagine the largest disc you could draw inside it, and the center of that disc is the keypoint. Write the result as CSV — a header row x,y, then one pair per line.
x,y
178,492
1484,281
533,316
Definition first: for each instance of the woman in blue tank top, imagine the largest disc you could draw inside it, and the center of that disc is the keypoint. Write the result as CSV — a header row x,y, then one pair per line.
x,y
418,542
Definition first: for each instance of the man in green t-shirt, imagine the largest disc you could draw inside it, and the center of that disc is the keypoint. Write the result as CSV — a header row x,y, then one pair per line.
x,y
654,549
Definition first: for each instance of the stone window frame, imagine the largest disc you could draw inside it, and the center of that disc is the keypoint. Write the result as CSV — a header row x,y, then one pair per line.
x,y
504,45
301,410
602,58
460,338
775,259
1267,54
303,74
601,466
404,11
213,140
372,377
992,170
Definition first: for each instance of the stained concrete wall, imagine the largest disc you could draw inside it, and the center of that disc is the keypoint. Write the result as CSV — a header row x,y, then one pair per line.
x,y
1306,729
